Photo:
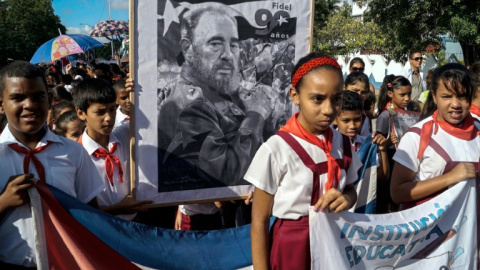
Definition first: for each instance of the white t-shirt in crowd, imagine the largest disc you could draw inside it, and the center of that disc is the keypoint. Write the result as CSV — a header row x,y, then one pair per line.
x,y
277,170
67,167
121,118
116,193
432,164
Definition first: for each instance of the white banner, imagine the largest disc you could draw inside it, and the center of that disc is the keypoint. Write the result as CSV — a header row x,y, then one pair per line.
x,y
212,80
438,234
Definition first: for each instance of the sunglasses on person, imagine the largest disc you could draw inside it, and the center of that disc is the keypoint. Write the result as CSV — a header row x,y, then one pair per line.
x,y
356,69
418,58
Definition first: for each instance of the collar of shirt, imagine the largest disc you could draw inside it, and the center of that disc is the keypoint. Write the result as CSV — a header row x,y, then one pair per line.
x,y
120,115
7,138
359,139
90,145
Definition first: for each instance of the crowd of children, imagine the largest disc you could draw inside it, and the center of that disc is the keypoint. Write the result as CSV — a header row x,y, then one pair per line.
x,y
75,136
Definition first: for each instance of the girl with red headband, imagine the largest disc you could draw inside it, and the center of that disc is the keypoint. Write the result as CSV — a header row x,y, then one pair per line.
x,y
306,163
444,148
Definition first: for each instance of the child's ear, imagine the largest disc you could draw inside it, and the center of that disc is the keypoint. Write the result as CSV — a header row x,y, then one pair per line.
x,y
294,96
81,114
335,122
390,94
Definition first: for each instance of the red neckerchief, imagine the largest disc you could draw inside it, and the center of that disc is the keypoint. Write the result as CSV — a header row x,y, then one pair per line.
x,y
475,110
110,159
30,155
468,131
294,127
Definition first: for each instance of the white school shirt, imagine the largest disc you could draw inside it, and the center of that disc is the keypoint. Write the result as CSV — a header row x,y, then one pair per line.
x,y
116,193
432,164
277,170
120,118
67,167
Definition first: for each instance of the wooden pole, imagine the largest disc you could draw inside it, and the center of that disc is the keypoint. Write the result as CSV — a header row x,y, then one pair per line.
x,y
131,67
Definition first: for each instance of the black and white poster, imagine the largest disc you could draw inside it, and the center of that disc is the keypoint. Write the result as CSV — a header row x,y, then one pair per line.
x,y
213,80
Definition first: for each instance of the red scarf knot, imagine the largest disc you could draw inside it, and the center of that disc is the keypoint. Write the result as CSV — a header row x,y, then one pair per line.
x,y
467,131
110,159
30,155
305,68
334,173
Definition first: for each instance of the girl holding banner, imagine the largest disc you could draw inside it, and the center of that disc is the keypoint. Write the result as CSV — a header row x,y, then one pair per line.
x,y
283,168
444,148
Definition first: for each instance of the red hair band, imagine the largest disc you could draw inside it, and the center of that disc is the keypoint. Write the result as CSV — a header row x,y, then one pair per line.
x,y
305,68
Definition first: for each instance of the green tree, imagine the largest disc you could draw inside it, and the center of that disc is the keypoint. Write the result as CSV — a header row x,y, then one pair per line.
x,y
343,34
24,26
323,10
417,24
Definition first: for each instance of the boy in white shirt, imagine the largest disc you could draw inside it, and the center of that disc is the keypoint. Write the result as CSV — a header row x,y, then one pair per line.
x,y
349,122
123,102
28,149
109,149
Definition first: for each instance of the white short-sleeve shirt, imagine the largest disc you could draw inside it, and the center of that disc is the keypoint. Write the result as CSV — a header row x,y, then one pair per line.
x,y
432,164
277,170
121,118
67,167
112,194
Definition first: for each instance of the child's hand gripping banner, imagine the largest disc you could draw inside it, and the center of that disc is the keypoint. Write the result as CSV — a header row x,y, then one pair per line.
x,y
439,234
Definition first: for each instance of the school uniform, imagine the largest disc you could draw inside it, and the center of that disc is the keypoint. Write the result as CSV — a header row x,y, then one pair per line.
x,y
442,154
366,127
279,170
67,167
357,142
118,186
121,118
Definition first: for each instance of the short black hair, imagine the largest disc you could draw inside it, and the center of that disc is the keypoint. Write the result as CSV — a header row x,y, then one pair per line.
x,y
412,52
351,101
119,85
63,120
20,69
93,91
309,57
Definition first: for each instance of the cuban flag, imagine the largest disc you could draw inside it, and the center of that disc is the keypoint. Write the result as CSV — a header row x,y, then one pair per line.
x,y
73,235
366,185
